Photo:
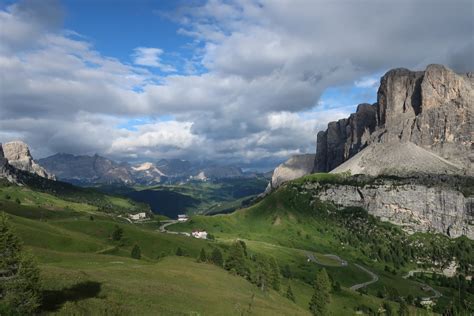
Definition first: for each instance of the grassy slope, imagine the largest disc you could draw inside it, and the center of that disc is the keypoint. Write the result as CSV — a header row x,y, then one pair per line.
x,y
85,272
284,222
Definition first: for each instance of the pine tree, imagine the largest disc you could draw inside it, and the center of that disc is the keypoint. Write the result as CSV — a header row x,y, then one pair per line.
x,y
236,260
19,275
136,252
289,294
202,256
286,271
262,275
216,257
179,252
321,297
403,310
274,274
117,234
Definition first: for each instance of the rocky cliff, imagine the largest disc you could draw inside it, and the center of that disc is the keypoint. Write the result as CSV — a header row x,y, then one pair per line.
x,y
6,171
295,167
432,109
414,205
18,155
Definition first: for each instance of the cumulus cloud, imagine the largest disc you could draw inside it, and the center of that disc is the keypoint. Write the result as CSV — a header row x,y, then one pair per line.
x,y
263,67
149,56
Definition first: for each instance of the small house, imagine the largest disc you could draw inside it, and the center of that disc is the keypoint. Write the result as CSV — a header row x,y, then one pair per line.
x,y
202,234
137,216
182,218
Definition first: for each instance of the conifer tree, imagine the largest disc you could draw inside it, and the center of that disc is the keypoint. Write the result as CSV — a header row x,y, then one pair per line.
x,y
321,297
274,274
179,252
236,260
216,257
403,310
289,294
117,234
202,256
136,252
19,275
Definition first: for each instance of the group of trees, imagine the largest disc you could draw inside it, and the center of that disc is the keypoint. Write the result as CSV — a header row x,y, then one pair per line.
x,y
20,286
321,298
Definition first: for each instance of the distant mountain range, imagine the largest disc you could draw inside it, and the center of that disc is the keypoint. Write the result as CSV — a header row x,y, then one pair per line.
x,y
91,170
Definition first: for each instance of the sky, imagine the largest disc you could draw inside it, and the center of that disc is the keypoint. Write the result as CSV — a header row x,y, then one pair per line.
x,y
241,82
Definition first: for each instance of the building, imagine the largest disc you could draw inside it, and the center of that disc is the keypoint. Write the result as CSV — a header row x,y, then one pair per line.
x,y
182,218
137,216
202,234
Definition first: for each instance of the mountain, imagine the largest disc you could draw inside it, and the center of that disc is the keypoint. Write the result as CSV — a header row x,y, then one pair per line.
x,y
425,115
87,169
295,167
90,170
18,155
147,173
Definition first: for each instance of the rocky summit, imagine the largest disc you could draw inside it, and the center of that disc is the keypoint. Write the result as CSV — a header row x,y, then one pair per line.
x,y
18,155
431,109
295,167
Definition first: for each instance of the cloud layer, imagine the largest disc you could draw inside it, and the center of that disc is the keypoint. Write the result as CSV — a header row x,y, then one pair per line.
x,y
264,67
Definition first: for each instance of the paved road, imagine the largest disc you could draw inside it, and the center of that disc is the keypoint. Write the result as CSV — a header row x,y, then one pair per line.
x,y
374,276
311,257
436,293
167,223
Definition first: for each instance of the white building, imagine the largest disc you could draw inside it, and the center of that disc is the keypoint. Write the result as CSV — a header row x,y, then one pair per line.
x,y
202,234
137,216
182,218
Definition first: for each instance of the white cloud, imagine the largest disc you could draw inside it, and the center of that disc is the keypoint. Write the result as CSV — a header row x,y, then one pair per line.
x,y
367,82
150,57
267,64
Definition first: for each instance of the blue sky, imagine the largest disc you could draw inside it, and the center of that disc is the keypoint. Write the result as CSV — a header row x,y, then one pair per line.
x,y
233,81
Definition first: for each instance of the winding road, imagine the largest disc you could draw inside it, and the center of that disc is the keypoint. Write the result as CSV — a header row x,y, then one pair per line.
x,y
311,257
436,293
374,276
167,223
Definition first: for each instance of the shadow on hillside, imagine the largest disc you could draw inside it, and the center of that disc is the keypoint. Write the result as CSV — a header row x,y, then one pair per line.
x,y
54,299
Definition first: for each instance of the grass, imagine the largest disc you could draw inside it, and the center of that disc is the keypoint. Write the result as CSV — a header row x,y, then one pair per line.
x,y
86,272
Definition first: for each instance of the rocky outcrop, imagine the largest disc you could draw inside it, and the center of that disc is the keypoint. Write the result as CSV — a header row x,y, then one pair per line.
x,y
432,109
147,173
6,171
295,167
344,138
414,207
18,155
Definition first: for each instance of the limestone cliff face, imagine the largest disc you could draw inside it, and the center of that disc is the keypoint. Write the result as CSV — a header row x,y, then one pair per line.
x,y
414,207
18,155
432,109
6,171
295,167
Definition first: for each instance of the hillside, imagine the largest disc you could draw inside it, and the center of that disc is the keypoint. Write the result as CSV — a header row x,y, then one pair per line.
x,y
289,222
